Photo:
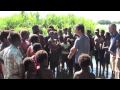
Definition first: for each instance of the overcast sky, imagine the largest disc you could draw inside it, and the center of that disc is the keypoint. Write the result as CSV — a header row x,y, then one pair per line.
x,y
94,15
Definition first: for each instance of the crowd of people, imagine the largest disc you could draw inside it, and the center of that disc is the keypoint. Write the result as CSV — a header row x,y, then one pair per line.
x,y
59,55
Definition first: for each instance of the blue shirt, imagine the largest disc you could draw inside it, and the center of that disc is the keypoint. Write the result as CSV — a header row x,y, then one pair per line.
x,y
113,39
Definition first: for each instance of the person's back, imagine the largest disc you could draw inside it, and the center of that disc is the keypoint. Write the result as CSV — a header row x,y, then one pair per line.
x,y
42,59
44,74
12,57
9,56
42,40
33,39
84,75
30,69
23,47
30,51
83,45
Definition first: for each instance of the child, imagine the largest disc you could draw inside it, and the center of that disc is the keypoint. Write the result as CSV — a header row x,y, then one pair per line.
x,y
42,59
24,42
65,34
117,66
36,47
97,49
53,51
91,46
30,70
3,38
84,73
65,51
33,39
102,51
106,45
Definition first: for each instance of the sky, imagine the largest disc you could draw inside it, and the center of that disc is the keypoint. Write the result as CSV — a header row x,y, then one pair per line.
x,y
94,15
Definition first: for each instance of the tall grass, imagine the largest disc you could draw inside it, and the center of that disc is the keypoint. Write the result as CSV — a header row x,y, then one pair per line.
x,y
27,20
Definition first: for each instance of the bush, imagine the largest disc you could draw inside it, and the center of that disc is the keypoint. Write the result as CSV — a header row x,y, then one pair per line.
x,y
27,20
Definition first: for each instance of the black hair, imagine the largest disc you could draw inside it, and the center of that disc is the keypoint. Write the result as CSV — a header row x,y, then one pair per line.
x,y
3,35
88,31
13,37
80,27
65,29
102,31
41,56
27,61
24,32
35,29
34,38
84,60
97,29
51,27
107,34
37,47
60,31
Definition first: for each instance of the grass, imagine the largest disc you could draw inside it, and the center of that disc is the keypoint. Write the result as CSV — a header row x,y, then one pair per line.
x,y
27,20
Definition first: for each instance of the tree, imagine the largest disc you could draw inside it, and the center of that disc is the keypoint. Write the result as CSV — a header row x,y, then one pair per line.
x,y
104,22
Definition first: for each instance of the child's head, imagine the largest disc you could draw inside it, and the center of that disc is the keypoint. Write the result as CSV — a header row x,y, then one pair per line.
x,y
42,58
84,61
36,29
36,47
65,30
107,35
51,34
24,34
97,32
34,39
88,32
4,35
102,32
51,27
29,64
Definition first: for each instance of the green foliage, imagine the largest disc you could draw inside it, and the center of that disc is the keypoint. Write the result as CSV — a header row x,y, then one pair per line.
x,y
27,20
